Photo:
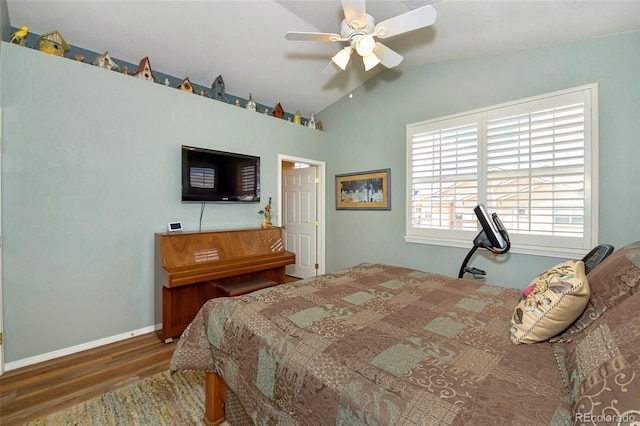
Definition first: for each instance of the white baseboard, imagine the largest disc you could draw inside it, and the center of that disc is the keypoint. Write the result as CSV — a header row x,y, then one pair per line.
x,y
79,348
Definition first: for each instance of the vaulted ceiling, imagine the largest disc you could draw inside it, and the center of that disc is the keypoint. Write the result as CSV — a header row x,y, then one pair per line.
x,y
244,40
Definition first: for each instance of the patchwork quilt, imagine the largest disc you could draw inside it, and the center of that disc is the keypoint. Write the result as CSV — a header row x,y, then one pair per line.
x,y
377,345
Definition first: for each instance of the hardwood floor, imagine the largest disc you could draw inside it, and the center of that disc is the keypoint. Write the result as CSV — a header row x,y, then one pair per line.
x,y
41,389
44,388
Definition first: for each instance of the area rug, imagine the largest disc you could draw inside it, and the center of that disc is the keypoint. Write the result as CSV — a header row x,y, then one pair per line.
x,y
162,399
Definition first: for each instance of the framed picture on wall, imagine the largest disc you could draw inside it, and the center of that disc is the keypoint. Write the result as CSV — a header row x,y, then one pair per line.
x,y
364,190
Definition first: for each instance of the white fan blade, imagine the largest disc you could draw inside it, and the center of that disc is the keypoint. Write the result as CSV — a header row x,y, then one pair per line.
x,y
388,57
301,36
354,10
412,20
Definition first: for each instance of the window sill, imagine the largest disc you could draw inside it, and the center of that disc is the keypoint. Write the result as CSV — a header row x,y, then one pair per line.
x,y
559,252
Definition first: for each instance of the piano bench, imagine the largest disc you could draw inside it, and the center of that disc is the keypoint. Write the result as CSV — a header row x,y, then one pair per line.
x,y
237,288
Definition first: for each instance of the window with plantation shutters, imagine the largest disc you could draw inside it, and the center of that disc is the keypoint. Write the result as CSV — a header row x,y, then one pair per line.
x,y
532,161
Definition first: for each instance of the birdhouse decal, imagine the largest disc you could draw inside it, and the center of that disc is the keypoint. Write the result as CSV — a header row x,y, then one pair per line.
x,y
144,71
251,104
186,86
218,88
105,61
52,43
278,111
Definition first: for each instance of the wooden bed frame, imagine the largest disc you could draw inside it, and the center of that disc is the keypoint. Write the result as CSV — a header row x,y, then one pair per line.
x,y
214,399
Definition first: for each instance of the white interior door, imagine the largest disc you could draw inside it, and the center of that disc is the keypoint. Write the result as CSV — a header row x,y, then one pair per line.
x,y
300,219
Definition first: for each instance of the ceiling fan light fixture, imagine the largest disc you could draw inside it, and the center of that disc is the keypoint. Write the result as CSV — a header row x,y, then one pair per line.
x,y
365,45
359,29
341,58
370,61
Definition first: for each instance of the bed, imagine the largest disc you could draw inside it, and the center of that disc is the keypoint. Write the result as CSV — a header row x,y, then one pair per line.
x,y
378,344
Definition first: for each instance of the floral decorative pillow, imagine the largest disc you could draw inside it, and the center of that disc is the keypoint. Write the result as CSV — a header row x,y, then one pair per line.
x,y
551,303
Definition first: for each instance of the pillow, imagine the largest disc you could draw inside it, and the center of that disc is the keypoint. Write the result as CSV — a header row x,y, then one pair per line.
x,y
611,282
603,364
551,303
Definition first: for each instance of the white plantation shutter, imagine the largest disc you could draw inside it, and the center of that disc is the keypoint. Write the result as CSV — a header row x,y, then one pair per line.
x,y
530,161
444,165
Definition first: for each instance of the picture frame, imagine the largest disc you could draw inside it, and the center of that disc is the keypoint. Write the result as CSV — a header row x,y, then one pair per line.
x,y
369,190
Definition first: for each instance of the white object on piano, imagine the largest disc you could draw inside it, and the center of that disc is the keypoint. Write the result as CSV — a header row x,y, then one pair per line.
x,y
173,227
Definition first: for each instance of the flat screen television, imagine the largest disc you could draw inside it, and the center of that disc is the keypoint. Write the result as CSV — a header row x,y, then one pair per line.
x,y
209,176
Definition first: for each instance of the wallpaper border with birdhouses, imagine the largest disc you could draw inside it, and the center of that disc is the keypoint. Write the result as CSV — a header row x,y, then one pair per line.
x,y
55,44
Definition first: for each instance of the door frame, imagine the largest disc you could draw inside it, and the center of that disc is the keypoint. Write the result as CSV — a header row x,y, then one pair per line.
x,y
321,195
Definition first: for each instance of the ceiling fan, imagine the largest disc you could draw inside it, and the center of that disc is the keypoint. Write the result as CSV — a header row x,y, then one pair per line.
x,y
359,29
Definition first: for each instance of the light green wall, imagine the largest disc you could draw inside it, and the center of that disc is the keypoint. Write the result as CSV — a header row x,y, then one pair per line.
x,y
91,160
90,171
368,132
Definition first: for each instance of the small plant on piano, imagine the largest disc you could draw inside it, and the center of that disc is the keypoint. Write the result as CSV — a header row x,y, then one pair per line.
x,y
266,211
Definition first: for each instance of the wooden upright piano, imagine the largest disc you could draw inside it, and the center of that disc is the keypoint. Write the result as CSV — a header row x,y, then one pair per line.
x,y
189,267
